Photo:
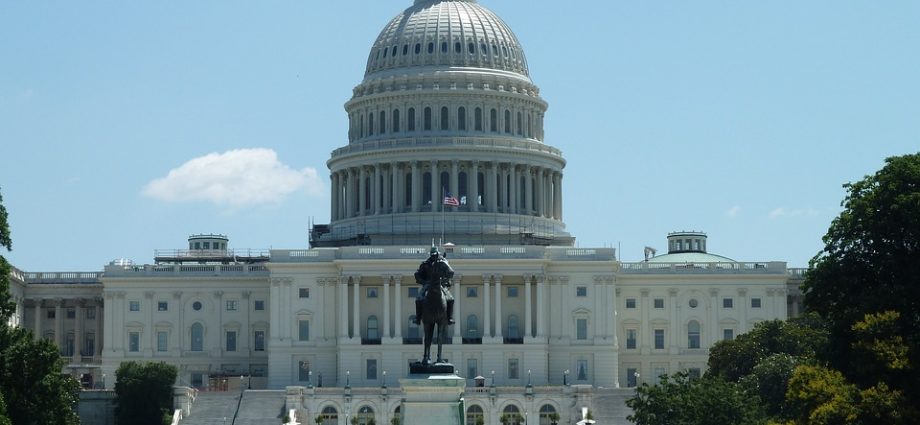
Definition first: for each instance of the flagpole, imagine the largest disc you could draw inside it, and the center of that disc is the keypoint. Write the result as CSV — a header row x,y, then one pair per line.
x,y
443,218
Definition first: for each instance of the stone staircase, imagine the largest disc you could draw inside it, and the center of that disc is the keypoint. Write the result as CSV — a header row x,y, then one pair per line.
x,y
610,406
212,408
261,407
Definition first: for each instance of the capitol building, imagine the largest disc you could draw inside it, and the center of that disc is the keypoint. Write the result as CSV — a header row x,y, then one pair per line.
x,y
446,109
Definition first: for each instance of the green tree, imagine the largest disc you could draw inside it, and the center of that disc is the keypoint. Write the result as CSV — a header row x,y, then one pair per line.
x,y
4,420
31,382
869,265
821,396
144,393
679,400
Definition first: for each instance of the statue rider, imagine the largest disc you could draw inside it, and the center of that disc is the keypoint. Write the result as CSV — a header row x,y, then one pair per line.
x,y
427,276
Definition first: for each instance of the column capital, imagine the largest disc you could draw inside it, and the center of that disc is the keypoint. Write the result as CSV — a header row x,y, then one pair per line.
x,y
486,277
149,294
644,292
498,278
177,294
713,292
742,291
246,294
672,292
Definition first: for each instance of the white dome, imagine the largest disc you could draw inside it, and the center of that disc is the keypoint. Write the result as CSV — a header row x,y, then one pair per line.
x,y
456,33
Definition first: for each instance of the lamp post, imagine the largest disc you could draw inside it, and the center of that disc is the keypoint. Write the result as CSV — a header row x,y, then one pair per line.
x,y
347,379
493,377
384,379
528,378
310,379
565,377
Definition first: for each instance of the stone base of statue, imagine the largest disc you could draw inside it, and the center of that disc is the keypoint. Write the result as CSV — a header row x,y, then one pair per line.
x,y
433,398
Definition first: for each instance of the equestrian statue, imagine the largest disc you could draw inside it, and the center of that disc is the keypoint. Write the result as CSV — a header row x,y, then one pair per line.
x,y
434,305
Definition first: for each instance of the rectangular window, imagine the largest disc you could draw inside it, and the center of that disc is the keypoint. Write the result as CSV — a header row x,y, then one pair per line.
x,y
91,313
513,372
472,368
694,373
631,377
162,341
89,345
71,313
134,342
259,340
372,292
303,371
371,370
659,302
582,369
51,314
303,330
630,303
659,373
413,292
134,305
303,292
755,302
581,291
232,305
259,305
728,334
631,339
512,292
659,339
472,292
581,329
231,340
162,306
728,303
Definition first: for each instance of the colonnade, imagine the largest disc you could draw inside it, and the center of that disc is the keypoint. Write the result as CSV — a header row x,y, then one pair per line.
x,y
81,314
397,187
491,288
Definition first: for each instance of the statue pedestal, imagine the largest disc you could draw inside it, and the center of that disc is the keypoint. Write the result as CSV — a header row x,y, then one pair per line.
x,y
432,399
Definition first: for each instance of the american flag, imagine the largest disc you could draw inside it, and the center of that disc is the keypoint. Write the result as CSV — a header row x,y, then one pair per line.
x,y
451,200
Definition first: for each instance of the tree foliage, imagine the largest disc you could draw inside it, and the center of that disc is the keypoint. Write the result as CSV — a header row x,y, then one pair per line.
x,y
144,393
7,308
4,419
680,400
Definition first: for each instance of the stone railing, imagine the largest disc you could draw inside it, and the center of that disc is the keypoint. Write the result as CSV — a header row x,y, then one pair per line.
x,y
459,142
62,277
165,270
798,273
461,252
772,267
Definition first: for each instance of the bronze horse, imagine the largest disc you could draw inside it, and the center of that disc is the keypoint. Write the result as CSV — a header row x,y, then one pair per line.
x,y
434,309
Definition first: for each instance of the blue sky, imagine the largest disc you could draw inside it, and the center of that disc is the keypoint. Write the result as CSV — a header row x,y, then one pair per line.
x,y
741,119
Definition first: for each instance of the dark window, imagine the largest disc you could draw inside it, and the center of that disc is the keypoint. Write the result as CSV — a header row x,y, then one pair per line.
x,y
477,117
458,47
413,292
430,48
418,48
581,291
396,121
427,118
482,49
370,124
196,305
383,122
630,303
394,50
259,305
755,302
507,121
520,125
493,121
659,302
659,339
405,49
444,47
259,340
472,48
445,119
386,52
461,118
410,119
303,292
162,306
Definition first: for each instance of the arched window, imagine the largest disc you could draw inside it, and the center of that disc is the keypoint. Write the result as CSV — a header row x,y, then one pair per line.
x,y
370,124
197,340
430,48
514,329
68,344
418,48
405,49
410,119
445,118
529,127
427,118
507,121
408,199
413,328
493,121
693,334
394,50
426,188
513,415
461,118
373,328
362,125
472,326
330,416
395,125
477,118
474,413
462,190
444,47
520,124
472,48
483,49
458,48
548,415
365,415
383,122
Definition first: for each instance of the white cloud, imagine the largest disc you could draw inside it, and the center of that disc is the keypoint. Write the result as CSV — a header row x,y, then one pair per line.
x,y
792,212
733,211
237,178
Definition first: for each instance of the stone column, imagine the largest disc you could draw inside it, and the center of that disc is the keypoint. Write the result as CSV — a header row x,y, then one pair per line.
x,y
557,196
334,184
386,307
541,306
528,190
672,320
473,186
350,194
715,329
743,326
528,308
486,310
58,322
343,307
455,181
498,306
492,187
548,194
356,314
435,186
540,192
375,190
514,186
399,315
393,194
416,187
458,313
362,192
644,334
97,341
37,326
